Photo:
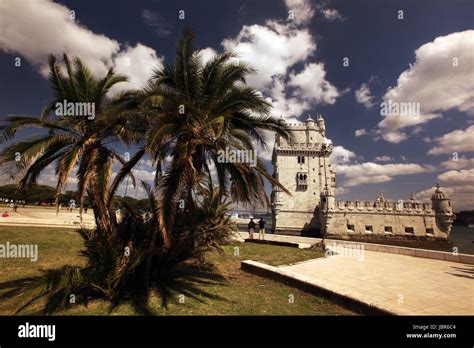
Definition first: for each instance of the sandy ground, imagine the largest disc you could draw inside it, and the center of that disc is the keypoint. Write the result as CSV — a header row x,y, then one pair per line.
x,y
45,216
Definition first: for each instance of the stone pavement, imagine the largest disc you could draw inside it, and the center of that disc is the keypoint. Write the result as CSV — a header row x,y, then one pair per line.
x,y
403,285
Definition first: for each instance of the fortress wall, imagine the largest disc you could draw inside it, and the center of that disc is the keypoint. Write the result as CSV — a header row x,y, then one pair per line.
x,y
339,221
295,221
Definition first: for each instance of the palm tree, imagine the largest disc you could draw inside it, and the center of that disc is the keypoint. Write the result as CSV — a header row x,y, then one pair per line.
x,y
75,141
187,115
197,110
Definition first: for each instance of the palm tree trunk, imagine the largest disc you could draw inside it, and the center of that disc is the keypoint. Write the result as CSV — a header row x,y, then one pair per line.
x,y
103,217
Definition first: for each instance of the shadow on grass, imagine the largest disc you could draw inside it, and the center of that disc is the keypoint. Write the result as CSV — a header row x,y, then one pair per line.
x,y
186,279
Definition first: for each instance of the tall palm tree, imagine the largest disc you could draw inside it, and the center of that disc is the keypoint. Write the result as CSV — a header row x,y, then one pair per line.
x,y
186,116
197,110
75,141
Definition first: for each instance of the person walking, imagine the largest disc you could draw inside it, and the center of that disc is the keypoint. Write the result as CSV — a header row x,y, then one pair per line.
x,y
261,229
251,228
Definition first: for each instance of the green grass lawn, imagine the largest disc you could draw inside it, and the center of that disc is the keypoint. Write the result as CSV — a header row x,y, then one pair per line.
x,y
240,294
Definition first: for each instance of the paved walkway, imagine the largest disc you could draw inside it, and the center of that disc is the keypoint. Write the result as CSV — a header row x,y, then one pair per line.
x,y
46,217
401,284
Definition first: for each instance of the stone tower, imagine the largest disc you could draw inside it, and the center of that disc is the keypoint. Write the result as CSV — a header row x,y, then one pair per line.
x,y
302,167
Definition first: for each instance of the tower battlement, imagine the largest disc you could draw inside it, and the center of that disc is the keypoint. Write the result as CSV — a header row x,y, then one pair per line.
x,y
377,207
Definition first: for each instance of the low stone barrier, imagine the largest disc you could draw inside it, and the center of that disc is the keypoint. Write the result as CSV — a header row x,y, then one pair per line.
x,y
429,254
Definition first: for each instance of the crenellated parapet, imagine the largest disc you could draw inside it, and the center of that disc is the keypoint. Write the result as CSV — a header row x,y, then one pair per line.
x,y
378,207
305,147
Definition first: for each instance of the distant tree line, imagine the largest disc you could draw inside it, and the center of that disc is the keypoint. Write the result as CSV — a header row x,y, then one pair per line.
x,y
43,194
36,194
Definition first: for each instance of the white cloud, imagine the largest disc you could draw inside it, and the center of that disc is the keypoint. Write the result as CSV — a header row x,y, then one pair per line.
x,y
435,82
458,177
145,175
49,177
417,130
383,158
331,14
271,49
290,108
458,185
311,84
156,22
341,155
207,54
455,141
35,29
458,163
341,190
364,97
301,11
354,174
395,137
369,173
274,50
137,63
360,132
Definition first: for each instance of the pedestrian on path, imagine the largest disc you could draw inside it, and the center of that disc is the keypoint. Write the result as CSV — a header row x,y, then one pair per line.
x,y
261,229
251,228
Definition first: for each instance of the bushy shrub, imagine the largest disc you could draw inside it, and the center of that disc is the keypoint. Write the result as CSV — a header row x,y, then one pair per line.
x,y
126,267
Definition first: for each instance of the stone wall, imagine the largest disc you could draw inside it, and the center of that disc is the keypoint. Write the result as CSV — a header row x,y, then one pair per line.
x,y
352,223
296,223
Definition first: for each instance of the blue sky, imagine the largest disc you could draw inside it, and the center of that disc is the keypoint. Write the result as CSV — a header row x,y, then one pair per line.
x,y
423,55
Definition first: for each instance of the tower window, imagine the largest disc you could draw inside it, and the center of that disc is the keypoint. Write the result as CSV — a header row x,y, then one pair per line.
x,y
300,159
430,231
388,229
350,228
301,181
369,229
409,230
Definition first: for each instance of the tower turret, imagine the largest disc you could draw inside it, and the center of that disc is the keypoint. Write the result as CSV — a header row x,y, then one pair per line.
x,y
310,122
441,202
328,202
321,125
327,206
443,210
